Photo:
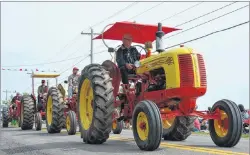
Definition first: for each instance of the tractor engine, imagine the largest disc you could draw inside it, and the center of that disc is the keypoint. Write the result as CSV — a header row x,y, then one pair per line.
x,y
158,80
175,74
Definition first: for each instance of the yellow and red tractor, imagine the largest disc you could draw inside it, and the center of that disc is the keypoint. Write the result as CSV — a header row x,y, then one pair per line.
x,y
162,100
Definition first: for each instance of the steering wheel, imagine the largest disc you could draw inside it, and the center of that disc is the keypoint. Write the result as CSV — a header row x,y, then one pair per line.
x,y
142,48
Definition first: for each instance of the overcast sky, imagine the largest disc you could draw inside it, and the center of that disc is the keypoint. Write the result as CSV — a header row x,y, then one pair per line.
x,y
33,33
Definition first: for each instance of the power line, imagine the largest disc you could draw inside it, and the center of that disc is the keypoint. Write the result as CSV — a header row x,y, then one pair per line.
x,y
207,21
66,46
209,34
146,10
74,64
115,14
182,11
205,14
46,63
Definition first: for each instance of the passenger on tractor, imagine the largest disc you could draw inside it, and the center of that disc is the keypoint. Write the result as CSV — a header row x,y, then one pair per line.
x,y
42,89
13,101
73,82
126,56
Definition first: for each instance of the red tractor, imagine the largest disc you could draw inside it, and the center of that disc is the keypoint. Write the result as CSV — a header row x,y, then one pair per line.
x,y
160,99
12,114
70,118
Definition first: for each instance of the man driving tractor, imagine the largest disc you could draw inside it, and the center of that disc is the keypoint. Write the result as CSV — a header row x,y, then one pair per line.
x,y
42,89
13,101
73,82
126,57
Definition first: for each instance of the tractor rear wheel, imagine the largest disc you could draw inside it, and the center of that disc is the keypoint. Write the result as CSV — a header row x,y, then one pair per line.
x,y
54,111
27,112
38,121
64,122
178,128
71,122
95,104
5,117
147,125
226,132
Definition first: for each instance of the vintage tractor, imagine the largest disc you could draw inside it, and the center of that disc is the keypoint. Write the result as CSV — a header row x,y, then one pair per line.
x,y
69,110
160,99
12,114
31,108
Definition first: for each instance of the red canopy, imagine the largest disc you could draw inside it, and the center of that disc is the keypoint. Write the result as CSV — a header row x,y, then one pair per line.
x,y
141,32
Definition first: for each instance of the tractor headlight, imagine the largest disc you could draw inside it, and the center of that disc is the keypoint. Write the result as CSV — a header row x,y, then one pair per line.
x,y
137,64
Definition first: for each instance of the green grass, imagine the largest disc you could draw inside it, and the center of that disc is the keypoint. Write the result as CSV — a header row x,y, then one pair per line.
x,y
204,133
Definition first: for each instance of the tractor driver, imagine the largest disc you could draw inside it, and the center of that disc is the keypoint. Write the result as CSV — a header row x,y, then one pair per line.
x,y
126,56
13,101
41,90
73,82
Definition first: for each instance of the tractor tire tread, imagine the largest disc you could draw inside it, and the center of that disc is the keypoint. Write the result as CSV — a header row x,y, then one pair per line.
x,y
57,111
5,117
103,100
182,128
28,112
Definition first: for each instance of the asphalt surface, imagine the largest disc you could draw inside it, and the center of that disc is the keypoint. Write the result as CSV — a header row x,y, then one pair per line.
x,y
31,142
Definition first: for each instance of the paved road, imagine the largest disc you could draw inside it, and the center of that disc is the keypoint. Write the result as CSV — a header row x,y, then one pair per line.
x,y
18,142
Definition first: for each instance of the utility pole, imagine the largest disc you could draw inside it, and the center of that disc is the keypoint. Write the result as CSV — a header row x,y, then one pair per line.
x,y
6,92
91,42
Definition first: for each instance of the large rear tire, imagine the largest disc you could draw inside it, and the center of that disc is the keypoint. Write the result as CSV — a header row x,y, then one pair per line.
x,y
180,129
71,122
27,112
147,125
54,111
95,104
226,132
5,117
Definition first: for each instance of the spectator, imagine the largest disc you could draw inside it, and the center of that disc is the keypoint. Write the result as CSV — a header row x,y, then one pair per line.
x,y
204,124
196,125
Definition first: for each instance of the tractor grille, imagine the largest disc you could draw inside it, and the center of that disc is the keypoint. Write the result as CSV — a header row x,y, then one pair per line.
x,y
186,70
202,70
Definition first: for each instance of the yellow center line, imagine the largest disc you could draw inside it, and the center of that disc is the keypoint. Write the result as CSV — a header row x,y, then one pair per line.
x,y
186,147
177,146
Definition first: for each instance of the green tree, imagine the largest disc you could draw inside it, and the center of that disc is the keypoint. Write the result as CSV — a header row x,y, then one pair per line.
x,y
25,93
4,102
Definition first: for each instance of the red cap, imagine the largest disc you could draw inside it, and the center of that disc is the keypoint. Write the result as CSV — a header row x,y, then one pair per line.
x,y
75,68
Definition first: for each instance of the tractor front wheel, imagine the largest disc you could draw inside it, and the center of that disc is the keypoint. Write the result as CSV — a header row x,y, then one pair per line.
x,y
117,126
5,117
226,131
27,112
147,125
38,121
95,105
54,111
71,123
